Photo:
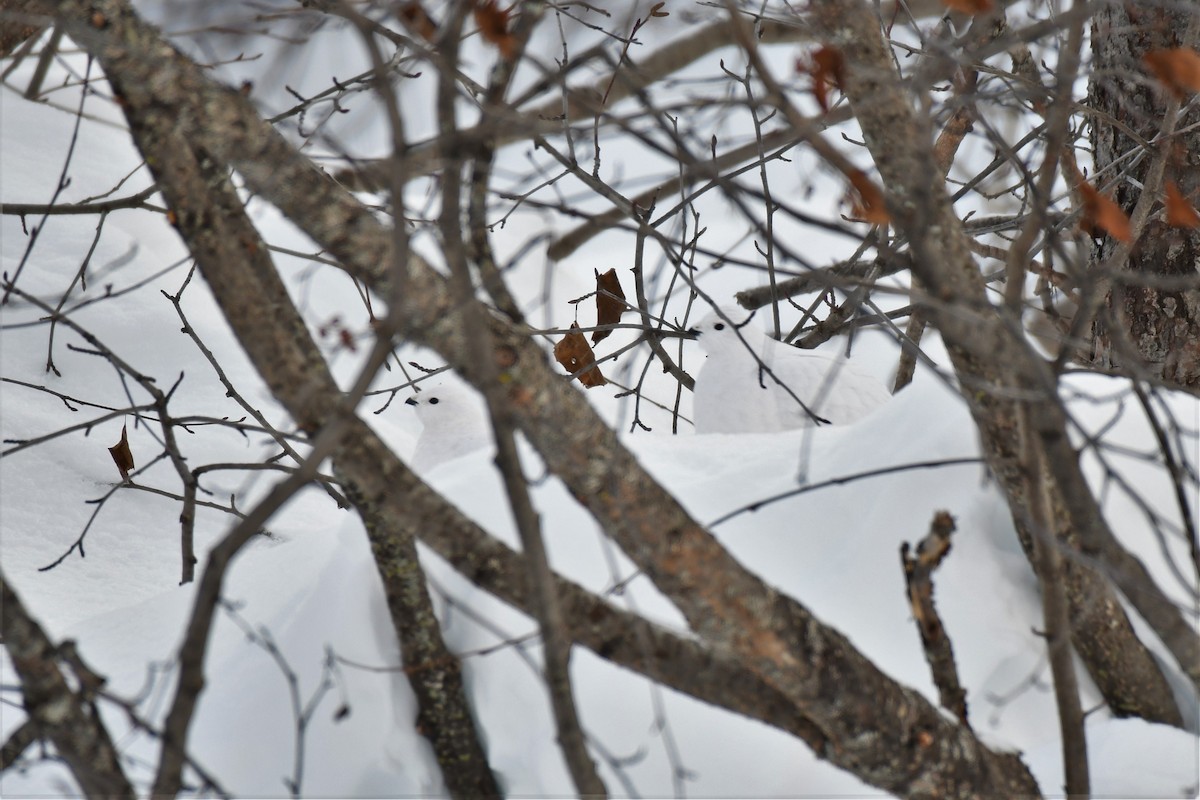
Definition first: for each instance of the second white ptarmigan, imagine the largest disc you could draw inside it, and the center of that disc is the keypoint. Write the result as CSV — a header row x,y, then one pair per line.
x,y
455,423
741,386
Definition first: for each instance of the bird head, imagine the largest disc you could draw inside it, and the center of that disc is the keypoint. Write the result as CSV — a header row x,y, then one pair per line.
x,y
446,405
727,328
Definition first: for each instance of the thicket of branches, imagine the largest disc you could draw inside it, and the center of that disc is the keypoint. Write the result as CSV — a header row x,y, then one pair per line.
x,y
1036,228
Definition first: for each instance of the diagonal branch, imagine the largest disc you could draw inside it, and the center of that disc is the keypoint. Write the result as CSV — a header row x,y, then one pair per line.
x,y
57,712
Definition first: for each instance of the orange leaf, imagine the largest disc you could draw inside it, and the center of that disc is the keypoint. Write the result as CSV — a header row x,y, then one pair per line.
x,y
610,302
970,6
828,69
418,20
1177,68
868,203
575,354
1101,213
1180,213
121,455
493,27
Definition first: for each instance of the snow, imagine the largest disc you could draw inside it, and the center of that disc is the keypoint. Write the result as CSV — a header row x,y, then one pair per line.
x,y
311,589
1129,758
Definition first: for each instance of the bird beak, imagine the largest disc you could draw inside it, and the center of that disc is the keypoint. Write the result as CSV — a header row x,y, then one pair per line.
x,y
412,401
691,333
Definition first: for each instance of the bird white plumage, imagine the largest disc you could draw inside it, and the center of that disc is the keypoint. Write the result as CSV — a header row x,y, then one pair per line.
x,y
455,423
740,387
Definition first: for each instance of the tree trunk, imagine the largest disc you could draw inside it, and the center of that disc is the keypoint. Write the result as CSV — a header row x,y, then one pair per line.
x,y
986,354
1149,325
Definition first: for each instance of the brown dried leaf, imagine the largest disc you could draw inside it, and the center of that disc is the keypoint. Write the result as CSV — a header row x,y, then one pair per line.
x,y
656,10
610,302
1180,213
1177,68
867,201
493,27
575,354
121,454
415,17
970,6
828,69
1102,213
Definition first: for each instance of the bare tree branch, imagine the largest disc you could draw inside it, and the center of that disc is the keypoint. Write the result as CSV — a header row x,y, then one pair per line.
x,y
556,641
421,264
773,635
1055,612
235,263
17,743
60,714
993,362
918,576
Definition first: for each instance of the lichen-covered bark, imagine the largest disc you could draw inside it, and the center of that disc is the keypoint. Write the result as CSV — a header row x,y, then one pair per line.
x,y
18,21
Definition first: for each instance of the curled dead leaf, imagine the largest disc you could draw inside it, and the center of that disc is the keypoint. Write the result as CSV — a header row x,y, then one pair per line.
x,y
122,456
575,354
1177,68
866,201
418,20
1101,213
493,27
828,69
610,302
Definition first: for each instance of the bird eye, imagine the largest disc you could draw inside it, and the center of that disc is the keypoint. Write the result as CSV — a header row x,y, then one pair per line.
x,y
433,401
720,326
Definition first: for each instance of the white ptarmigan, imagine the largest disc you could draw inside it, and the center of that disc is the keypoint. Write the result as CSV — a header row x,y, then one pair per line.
x,y
741,386
455,423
